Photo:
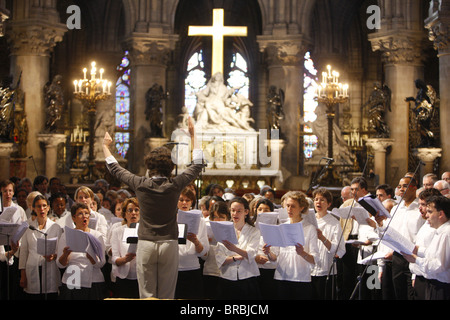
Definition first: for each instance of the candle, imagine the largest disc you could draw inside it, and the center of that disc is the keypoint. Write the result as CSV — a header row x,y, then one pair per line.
x,y
76,85
101,73
329,71
84,71
109,87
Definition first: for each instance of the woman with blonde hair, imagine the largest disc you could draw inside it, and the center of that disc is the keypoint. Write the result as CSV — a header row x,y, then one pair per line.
x,y
295,263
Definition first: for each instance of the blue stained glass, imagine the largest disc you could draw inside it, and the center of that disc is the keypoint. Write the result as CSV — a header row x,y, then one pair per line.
x,y
123,107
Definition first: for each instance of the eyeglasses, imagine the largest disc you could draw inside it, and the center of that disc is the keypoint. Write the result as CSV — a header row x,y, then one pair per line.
x,y
83,214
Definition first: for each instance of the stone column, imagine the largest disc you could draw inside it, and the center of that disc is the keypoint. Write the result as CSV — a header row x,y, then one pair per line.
x,y
438,24
401,54
427,156
5,157
285,71
379,147
149,57
31,43
51,142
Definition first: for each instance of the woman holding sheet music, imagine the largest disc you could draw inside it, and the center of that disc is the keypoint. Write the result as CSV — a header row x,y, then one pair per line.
x,y
83,278
190,279
237,261
266,267
40,277
123,259
295,263
330,242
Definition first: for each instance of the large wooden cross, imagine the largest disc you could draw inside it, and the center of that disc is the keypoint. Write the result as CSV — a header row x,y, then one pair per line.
x,y
217,31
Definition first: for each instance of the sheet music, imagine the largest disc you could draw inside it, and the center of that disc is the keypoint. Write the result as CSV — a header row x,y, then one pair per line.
x,y
9,215
224,230
191,219
51,246
94,247
130,233
14,230
376,256
310,218
373,202
132,248
267,218
394,240
283,215
358,212
283,235
76,240
20,231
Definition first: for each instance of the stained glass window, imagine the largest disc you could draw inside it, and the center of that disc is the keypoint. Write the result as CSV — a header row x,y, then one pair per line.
x,y
309,105
122,135
195,80
238,77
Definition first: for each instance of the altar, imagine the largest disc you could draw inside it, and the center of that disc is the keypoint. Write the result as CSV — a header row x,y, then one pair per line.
x,y
244,160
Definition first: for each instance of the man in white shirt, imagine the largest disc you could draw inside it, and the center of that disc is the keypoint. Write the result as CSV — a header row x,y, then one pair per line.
x,y
435,261
407,220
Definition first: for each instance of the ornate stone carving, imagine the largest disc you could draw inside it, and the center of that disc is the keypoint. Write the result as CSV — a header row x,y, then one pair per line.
x,y
399,49
287,52
150,50
36,39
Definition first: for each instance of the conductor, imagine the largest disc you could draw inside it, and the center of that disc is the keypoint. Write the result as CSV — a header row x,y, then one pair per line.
x,y
158,193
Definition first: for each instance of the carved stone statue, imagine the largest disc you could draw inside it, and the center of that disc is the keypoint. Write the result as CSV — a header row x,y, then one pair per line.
x,y
54,103
6,112
154,109
275,102
219,107
425,104
379,103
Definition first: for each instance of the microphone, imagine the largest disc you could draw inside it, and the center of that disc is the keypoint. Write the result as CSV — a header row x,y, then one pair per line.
x,y
370,155
36,229
328,159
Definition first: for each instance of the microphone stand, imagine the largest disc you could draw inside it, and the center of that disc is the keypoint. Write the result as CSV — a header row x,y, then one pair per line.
x,y
319,175
341,237
358,284
45,257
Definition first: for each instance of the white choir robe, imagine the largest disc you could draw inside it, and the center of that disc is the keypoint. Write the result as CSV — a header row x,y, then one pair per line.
x,y
3,256
242,269
210,267
89,273
120,249
435,264
188,257
407,220
423,240
30,260
269,264
101,225
291,266
332,230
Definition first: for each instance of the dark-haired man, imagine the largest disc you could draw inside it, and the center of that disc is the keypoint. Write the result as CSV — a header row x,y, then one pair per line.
x,y
435,262
407,220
